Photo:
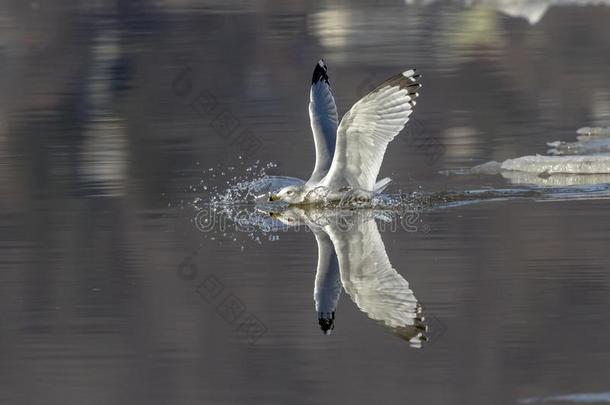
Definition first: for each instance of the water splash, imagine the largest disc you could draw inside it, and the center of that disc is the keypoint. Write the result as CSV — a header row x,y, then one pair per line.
x,y
225,202
233,185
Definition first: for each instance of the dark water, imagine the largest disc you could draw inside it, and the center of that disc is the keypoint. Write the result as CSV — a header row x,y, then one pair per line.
x,y
111,116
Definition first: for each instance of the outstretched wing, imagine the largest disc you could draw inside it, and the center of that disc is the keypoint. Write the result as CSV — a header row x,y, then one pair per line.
x,y
367,128
370,280
324,119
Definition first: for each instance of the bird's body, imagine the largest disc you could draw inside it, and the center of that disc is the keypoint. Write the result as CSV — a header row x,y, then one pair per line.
x,y
349,153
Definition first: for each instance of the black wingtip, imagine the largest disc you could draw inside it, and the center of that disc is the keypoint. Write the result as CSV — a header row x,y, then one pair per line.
x,y
319,73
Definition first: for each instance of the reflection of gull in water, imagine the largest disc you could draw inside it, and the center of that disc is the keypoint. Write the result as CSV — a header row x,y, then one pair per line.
x,y
351,253
349,153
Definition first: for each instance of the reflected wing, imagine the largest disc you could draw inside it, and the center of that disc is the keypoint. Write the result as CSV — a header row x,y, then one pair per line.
x,y
327,289
369,279
367,128
324,119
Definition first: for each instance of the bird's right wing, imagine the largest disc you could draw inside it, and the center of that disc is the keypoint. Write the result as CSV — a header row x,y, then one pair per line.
x,y
367,128
370,280
324,119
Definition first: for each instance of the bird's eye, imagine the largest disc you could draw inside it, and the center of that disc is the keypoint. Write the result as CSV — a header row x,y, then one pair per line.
x,y
290,192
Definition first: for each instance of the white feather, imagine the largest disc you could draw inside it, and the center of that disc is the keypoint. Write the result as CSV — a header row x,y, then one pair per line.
x,y
368,276
324,119
367,128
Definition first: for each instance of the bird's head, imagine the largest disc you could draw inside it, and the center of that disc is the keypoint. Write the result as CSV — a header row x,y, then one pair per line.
x,y
291,216
327,322
290,195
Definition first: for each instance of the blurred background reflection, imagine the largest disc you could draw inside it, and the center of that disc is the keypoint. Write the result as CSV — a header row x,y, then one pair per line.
x,y
103,144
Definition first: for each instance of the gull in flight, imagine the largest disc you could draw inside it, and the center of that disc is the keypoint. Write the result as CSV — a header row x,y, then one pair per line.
x,y
349,153
351,254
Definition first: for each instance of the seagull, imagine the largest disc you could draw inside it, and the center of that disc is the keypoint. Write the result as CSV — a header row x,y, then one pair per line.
x,y
352,255
349,153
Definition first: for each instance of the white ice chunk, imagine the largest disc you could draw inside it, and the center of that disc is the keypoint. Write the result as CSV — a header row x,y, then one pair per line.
x,y
556,180
559,164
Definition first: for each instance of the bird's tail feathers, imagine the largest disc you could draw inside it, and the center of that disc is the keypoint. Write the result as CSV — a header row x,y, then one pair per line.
x,y
382,184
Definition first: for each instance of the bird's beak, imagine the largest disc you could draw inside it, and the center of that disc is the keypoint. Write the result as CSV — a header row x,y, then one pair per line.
x,y
273,197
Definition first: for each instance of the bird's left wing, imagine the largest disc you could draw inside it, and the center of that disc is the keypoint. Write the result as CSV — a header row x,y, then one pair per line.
x,y
367,128
324,119
370,280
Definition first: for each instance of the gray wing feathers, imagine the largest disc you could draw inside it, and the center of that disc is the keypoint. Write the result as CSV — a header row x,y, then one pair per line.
x,y
373,284
327,288
324,121
367,128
